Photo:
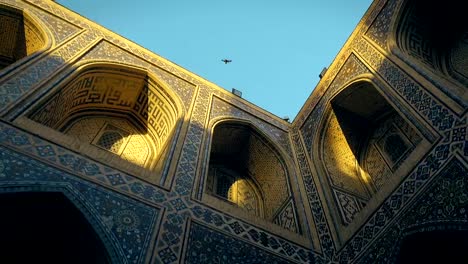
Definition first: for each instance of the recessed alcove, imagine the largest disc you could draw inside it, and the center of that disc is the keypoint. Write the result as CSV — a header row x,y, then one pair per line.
x,y
118,115
19,36
365,147
435,37
246,171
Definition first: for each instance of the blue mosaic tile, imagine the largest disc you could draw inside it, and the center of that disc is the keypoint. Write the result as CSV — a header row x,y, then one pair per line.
x,y
115,179
127,223
445,201
209,246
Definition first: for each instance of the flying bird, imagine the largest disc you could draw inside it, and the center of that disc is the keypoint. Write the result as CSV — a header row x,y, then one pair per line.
x,y
226,61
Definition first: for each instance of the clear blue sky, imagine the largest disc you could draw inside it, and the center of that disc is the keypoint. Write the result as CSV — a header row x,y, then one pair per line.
x,y
277,47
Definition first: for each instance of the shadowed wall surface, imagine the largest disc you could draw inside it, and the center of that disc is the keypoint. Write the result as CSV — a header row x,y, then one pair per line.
x,y
150,163
47,228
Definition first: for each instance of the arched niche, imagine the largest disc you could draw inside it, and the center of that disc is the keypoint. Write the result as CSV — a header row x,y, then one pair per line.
x,y
46,227
435,38
122,116
246,170
20,36
364,145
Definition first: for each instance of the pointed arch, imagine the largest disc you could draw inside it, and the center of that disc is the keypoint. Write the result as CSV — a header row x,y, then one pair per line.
x,y
99,98
240,148
353,147
56,224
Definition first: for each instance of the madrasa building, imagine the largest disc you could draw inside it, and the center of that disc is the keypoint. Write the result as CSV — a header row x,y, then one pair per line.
x,y
110,153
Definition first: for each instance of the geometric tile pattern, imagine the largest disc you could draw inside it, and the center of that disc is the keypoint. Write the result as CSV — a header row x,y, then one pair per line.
x,y
440,117
395,203
339,157
61,29
323,85
397,128
208,246
414,45
59,13
13,89
238,190
177,204
247,233
99,89
106,51
351,68
261,161
169,248
444,205
93,130
268,170
20,37
222,108
412,39
349,205
124,225
178,207
316,207
166,213
379,30
287,218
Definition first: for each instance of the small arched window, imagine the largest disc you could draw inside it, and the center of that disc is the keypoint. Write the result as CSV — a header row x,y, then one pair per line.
x,y
111,140
223,185
237,189
395,147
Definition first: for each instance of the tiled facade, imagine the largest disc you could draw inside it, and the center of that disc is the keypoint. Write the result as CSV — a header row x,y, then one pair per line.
x,y
154,207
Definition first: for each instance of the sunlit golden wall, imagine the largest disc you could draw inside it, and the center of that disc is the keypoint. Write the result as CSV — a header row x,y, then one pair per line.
x,y
264,165
108,92
136,146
